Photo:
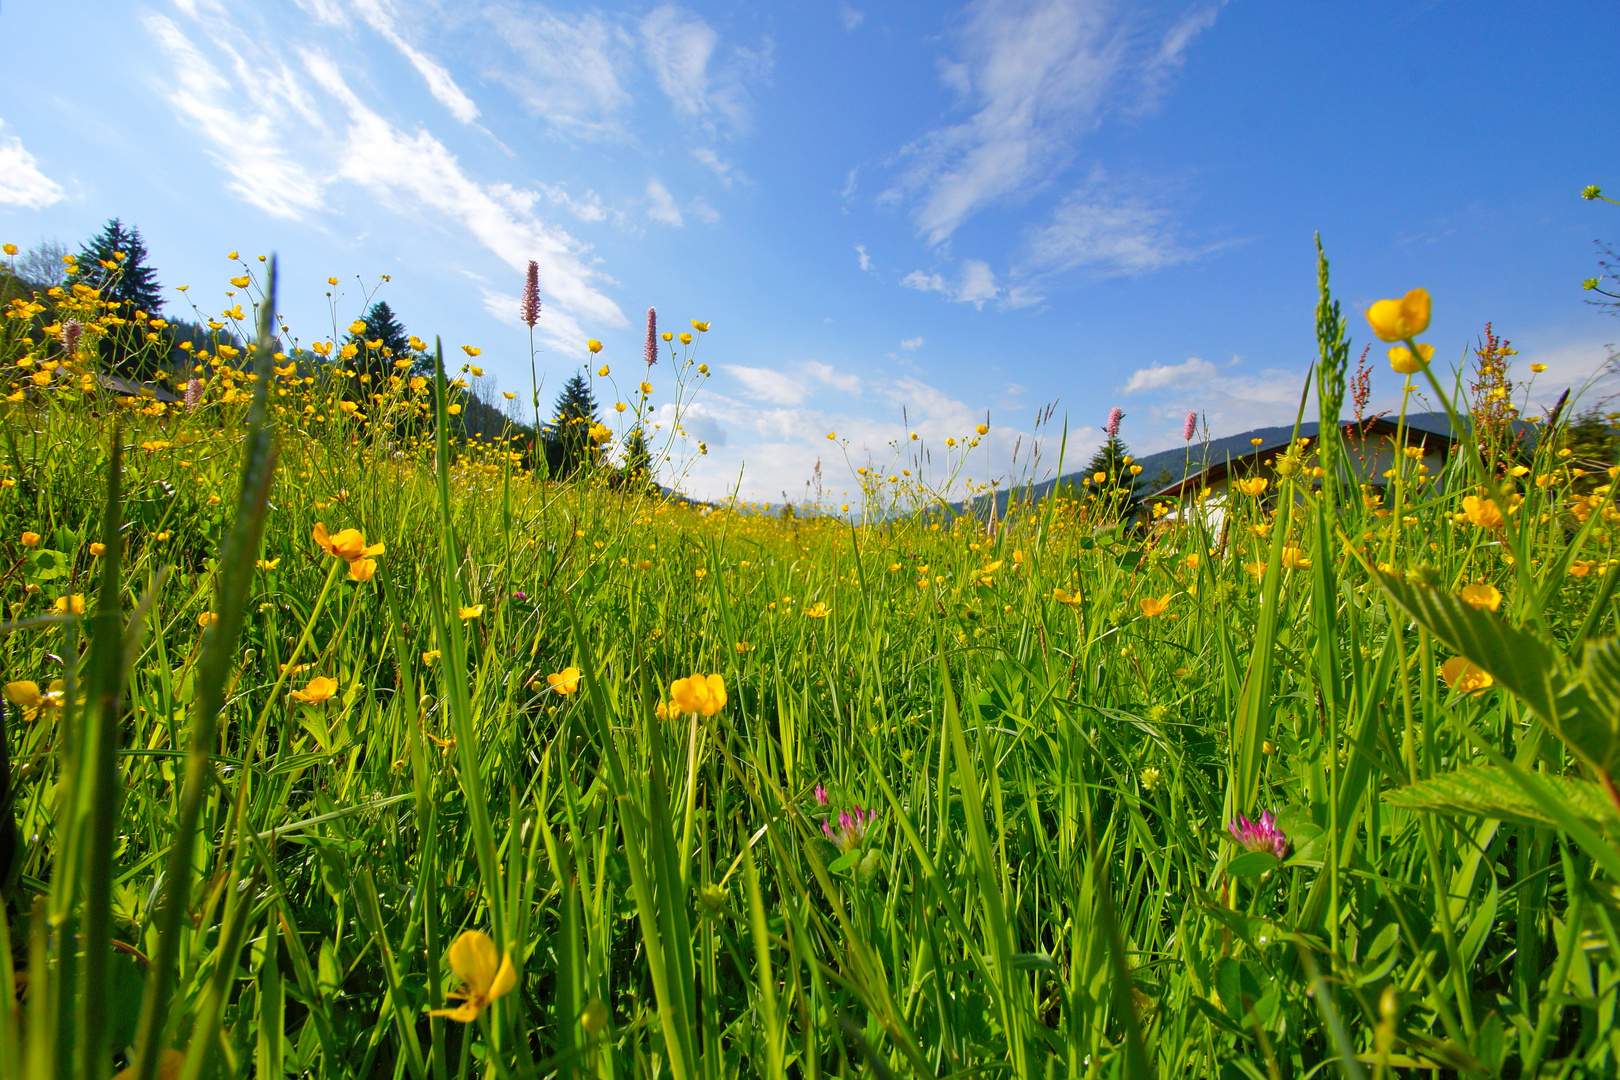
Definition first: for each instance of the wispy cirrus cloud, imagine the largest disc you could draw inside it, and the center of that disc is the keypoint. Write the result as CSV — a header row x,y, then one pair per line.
x,y
681,49
1032,78
379,14
249,134
415,173
21,181
572,71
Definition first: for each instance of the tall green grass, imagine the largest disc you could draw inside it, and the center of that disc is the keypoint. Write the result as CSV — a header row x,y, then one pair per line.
x,y
215,878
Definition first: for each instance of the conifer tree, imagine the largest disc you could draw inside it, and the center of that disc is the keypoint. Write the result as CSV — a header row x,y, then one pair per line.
x,y
114,261
636,473
393,343
1112,462
567,437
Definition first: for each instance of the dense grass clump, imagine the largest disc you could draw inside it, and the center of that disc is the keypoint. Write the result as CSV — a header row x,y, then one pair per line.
x,y
527,777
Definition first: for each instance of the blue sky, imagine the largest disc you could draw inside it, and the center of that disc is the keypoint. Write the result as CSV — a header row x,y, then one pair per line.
x,y
950,209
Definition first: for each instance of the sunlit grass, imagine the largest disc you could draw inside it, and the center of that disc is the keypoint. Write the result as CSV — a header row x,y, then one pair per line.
x,y
881,792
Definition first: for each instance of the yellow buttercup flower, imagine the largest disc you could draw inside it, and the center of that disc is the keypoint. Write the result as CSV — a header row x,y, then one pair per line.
x,y
1294,559
817,610
1063,596
1404,363
700,327
1482,512
30,539
646,388
698,694
484,975
362,569
1397,320
602,371
320,688
476,611
357,327
1154,605
1253,485
565,681
431,656
1464,677
471,350
983,429
65,604
348,545
593,345
27,696
686,339
97,549
598,434
1538,368
207,619
1480,595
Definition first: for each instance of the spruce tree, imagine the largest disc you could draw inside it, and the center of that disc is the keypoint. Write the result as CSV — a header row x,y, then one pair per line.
x,y
383,326
636,474
567,437
1111,461
115,263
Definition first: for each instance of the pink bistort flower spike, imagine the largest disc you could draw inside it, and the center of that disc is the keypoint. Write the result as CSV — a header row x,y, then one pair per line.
x,y
650,353
1262,835
1189,428
531,295
1115,415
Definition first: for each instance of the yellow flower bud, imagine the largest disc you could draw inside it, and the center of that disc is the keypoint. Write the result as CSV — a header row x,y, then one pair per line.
x,y
1402,360
1397,320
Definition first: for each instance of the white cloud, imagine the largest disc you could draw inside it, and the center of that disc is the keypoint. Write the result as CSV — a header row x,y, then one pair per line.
x,y
21,182
849,16
1159,376
570,71
724,171
589,208
764,384
1172,52
1229,400
826,373
1034,76
976,285
661,204
415,173
865,259
247,116
379,15
679,47
780,388
924,282
912,343
783,446
1099,227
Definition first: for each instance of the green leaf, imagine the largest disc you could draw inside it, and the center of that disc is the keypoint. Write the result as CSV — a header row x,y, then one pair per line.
x,y
844,861
1252,864
1524,665
1485,792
